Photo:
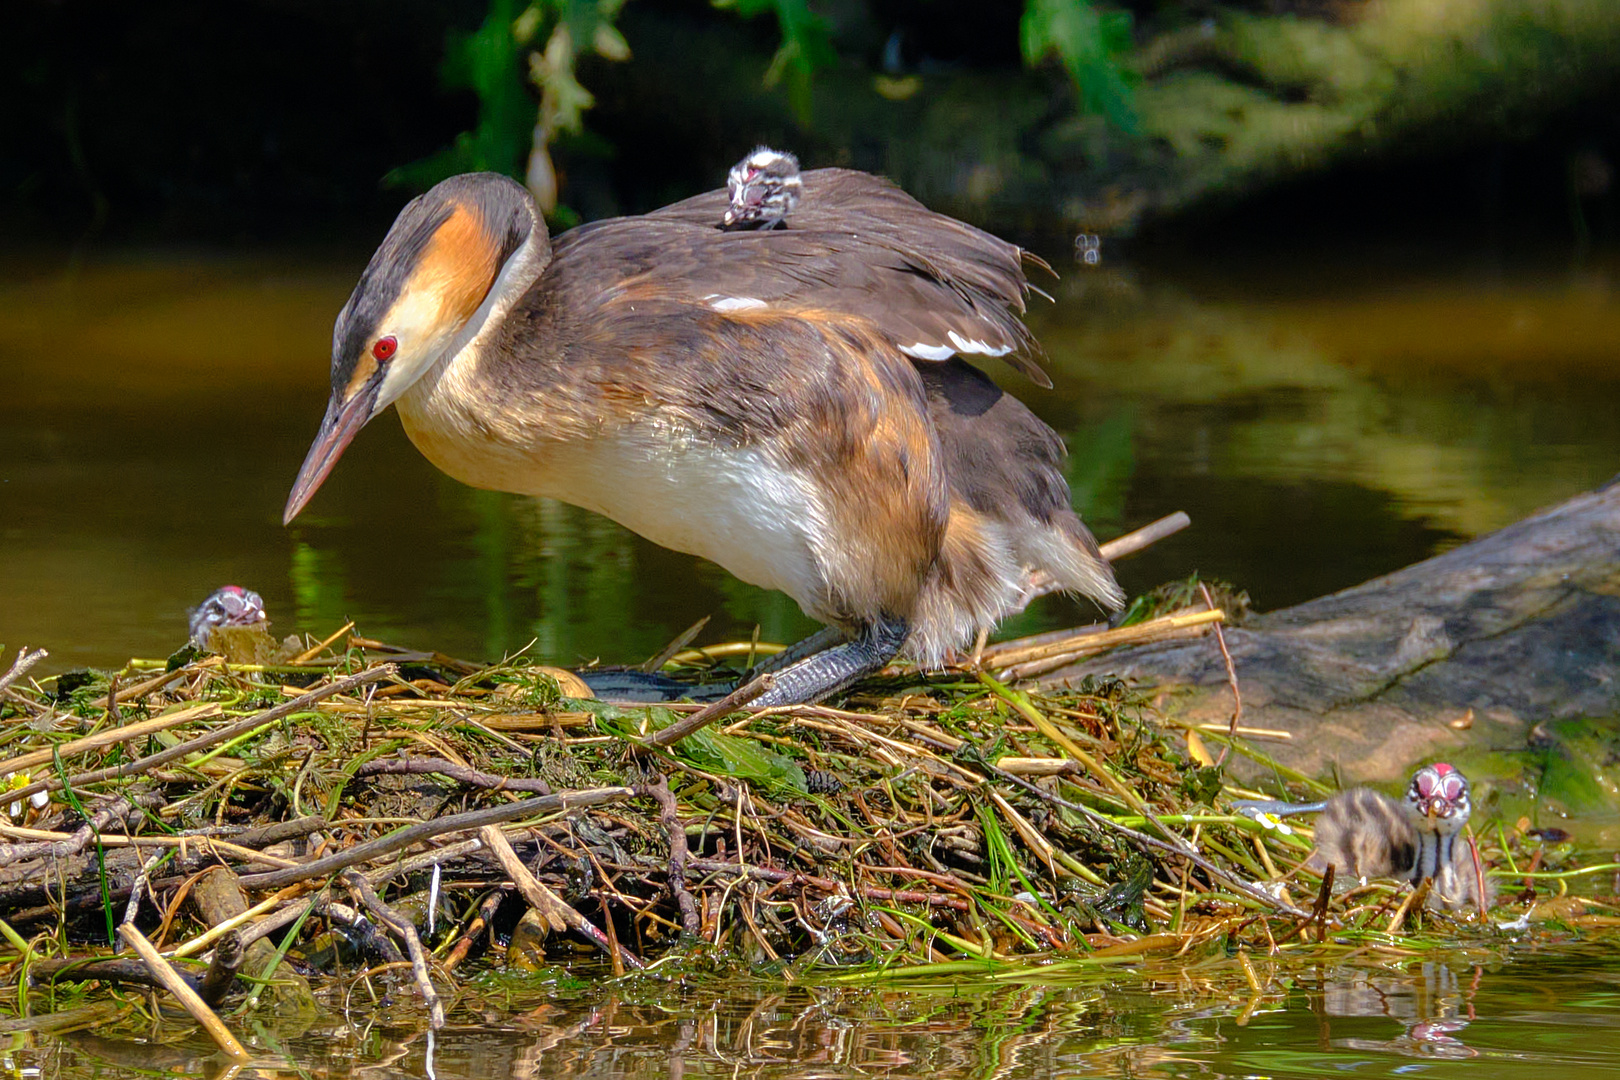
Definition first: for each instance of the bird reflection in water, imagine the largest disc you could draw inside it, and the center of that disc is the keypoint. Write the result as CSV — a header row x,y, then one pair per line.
x,y
1430,1004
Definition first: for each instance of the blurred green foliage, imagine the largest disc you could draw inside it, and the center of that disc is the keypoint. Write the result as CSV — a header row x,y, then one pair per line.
x,y
1088,41
1171,102
486,61
806,46
544,39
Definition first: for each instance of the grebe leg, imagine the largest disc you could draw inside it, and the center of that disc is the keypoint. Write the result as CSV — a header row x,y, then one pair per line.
x,y
821,664
1256,807
820,641
834,669
632,686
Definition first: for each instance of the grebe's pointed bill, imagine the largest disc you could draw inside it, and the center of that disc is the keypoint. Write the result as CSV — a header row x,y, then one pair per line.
x,y
343,419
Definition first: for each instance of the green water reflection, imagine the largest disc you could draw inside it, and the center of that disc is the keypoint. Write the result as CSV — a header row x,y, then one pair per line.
x,y
1476,1017
1321,424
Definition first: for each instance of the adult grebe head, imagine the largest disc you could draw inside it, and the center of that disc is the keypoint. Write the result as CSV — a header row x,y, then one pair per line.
x,y
454,257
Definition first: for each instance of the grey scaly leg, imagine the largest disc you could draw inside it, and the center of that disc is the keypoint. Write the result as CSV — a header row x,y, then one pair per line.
x,y
831,670
821,640
1255,807
822,664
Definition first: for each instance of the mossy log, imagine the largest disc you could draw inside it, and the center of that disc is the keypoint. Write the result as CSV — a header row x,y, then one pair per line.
x,y
1474,647
1224,107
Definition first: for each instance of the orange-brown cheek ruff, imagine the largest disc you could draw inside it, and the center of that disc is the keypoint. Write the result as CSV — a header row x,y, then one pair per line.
x,y
789,403
455,271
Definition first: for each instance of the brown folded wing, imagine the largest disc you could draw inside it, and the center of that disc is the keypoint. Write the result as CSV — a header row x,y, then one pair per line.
x,y
933,286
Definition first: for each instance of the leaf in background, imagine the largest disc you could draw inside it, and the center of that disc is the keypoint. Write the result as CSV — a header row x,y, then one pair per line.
x,y
1086,40
492,62
563,99
489,62
806,46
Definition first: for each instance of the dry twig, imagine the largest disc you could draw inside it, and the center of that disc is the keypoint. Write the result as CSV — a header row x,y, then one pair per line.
x,y
118,810
427,830
403,766
212,738
1121,547
413,944
669,818
1231,678
707,715
182,991
547,904
111,737
20,666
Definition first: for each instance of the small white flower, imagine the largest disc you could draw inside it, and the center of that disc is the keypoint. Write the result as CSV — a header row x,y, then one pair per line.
x,y
1277,890
11,782
1272,821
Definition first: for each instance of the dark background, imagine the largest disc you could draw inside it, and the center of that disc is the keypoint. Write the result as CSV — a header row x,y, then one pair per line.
x,y
273,122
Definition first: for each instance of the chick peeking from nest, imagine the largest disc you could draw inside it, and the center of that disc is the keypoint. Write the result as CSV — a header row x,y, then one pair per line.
x,y
229,607
232,623
764,188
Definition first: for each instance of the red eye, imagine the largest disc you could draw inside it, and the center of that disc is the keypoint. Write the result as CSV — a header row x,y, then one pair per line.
x,y
384,348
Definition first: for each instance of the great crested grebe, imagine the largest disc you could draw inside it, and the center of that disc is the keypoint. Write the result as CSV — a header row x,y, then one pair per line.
x,y
763,188
1364,834
790,404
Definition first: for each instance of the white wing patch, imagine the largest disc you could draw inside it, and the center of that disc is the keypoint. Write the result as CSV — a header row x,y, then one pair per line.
x,y
724,304
975,347
959,344
923,351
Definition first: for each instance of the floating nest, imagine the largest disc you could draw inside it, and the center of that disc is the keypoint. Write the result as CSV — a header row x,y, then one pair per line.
x,y
359,810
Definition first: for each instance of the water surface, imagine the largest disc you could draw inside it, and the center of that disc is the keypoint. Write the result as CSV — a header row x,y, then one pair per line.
x,y
1322,422
1479,1018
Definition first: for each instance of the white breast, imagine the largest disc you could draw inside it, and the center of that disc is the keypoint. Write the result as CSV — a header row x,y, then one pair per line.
x,y
736,507
760,521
